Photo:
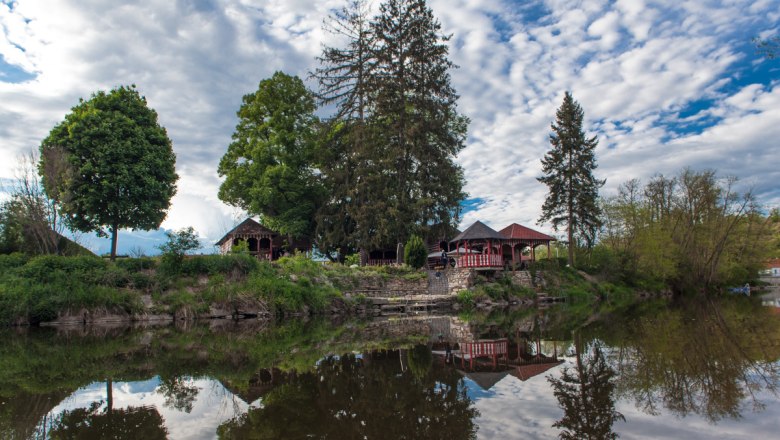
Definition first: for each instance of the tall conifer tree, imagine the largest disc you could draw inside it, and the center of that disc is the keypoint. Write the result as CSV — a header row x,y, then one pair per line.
x,y
415,112
390,163
343,80
568,173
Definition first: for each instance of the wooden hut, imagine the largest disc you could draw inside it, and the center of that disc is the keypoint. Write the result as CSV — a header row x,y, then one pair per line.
x,y
263,243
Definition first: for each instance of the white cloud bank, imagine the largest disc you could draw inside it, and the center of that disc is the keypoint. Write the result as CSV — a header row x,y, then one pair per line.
x,y
664,84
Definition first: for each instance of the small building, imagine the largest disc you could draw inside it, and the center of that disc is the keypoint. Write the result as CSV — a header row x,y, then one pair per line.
x,y
772,268
263,243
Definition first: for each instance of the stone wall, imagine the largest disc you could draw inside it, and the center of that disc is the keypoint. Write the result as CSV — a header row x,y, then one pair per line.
x,y
459,279
396,286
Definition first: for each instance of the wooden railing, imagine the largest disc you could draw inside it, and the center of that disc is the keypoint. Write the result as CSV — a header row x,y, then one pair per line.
x,y
490,349
380,261
479,260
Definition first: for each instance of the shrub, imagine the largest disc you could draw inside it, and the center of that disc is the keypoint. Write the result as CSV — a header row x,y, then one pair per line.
x,y
136,264
415,252
178,245
241,264
11,261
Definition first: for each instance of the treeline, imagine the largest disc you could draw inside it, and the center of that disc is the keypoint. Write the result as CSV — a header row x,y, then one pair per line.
x,y
382,167
689,232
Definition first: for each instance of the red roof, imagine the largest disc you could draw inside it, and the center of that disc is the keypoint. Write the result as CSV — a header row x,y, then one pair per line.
x,y
527,371
775,262
520,232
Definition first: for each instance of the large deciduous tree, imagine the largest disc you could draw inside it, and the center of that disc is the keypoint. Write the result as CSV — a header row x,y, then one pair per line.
x,y
568,167
110,165
269,167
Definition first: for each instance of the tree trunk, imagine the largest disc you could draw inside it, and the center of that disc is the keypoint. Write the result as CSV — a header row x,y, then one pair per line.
x,y
114,236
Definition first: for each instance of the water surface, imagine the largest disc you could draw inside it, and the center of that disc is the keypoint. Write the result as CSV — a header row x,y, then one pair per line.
x,y
647,370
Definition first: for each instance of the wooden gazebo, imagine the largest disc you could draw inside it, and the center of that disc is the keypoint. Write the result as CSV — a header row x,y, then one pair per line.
x,y
478,247
517,237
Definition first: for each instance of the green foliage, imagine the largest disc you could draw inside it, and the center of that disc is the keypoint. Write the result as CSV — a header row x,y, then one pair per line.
x,y
133,265
241,248
352,260
110,165
47,285
11,261
388,158
178,244
568,173
269,166
238,264
692,231
415,252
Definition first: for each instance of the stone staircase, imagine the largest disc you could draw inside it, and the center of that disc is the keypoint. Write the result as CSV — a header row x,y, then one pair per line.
x,y
438,283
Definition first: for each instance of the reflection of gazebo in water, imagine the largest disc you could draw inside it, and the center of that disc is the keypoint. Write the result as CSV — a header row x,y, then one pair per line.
x,y
480,360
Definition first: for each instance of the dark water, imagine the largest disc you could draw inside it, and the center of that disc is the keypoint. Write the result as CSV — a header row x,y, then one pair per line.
x,y
648,370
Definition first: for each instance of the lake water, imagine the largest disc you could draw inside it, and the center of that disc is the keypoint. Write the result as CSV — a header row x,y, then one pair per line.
x,y
648,370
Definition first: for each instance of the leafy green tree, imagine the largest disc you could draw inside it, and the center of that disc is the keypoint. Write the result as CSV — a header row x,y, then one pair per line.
x,y
178,244
120,165
568,173
690,231
415,252
269,167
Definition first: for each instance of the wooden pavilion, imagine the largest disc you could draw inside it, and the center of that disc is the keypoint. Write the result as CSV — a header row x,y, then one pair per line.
x,y
263,243
481,247
517,238
478,247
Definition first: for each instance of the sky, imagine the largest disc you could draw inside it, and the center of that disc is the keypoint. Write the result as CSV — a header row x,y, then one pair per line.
x,y
664,85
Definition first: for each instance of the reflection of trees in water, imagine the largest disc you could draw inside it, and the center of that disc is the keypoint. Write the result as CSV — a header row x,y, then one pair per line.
x,y
706,359
350,398
126,423
179,392
586,395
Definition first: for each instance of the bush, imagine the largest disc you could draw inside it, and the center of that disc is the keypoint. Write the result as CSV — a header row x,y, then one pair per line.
x,y
178,245
241,264
415,252
133,265
11,261
48,267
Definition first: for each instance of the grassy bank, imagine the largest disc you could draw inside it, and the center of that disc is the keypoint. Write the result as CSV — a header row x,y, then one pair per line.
x,y
39,289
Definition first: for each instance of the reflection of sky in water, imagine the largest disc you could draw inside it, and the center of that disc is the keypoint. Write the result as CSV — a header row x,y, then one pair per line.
x,y
513,409
213,405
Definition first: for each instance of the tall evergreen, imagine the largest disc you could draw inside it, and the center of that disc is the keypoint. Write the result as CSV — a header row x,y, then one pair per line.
x,y
568,173
389,160
343,80
416,117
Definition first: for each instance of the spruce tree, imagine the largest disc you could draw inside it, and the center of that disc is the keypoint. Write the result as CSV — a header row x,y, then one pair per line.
x,y
342,78
417,120
389,160
568,173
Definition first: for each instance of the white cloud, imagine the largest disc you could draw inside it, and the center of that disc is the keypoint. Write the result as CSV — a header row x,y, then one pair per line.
x,y
633,65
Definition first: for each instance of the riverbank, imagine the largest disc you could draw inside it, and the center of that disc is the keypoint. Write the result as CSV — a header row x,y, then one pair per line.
x,y
84,289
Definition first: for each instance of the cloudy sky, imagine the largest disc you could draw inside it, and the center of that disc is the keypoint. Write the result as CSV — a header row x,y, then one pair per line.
x,y
664,84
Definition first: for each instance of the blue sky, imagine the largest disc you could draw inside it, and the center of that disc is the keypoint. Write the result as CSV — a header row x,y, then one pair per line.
x,y
664,85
